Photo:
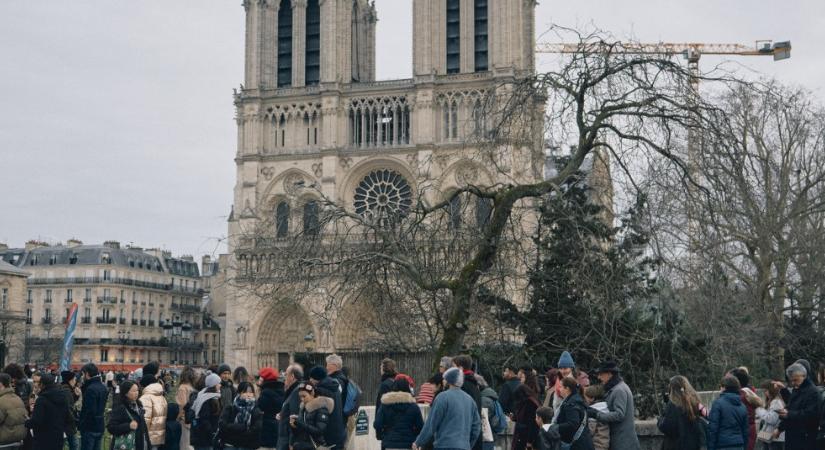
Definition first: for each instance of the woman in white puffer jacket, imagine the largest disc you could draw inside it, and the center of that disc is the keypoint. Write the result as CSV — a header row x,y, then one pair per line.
x,y
155,408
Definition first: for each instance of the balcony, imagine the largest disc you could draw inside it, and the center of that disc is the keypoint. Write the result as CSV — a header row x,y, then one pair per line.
x,y
46,320
106,320
116,281
151,323
28,320
186,308
86,320
134,322
47,300
142,322
87,300
122,321
68,300
107,300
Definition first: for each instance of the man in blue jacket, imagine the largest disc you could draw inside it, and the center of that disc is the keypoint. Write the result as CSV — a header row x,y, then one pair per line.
x,y
728,428
95,395
454,421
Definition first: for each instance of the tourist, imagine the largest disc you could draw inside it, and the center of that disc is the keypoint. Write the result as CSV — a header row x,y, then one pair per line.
x,y
174,428
489,398
728,423
270,402
335,370
550,379
768,418
548,435
681,421
240,375
291,403
227,388
335,434
22,387
594,398
49,415
153,400
526,431
620,414
527,377
470,386
12,414
800,419
567,368
126,421
445,364
68,384
454,421
571,418
428,390
508,388
186,387
240,422
310,424
399,420
207,411
93,408
751,401
388,374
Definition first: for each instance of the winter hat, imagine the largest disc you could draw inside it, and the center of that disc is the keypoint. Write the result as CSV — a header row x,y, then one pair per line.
x,y
566,361
224,368
268,374
151,369
47,379
136,375
407,378
66,376
317,373
146,380
454,377
608,367
212,380
401,385
172,411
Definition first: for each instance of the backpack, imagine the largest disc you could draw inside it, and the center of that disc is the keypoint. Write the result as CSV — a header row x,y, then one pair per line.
x,y
498,421
189,413
353,399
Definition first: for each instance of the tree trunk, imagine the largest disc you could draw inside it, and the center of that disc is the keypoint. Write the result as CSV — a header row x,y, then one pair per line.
x,y
775,348
456,328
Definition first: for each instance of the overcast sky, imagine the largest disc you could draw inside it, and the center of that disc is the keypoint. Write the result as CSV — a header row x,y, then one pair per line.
x,y
116,116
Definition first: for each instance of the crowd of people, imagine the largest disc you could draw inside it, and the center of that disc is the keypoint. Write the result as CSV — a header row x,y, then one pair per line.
x,y
316,408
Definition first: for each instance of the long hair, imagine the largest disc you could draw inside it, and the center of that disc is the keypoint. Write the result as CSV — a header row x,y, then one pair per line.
x,y
684,396
241,374
188,376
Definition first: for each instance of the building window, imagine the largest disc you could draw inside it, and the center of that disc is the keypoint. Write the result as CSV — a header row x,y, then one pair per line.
x,y
383,196
5,298
104,355
379,122
453,36
48,295
454,212
484,209
285,44
73,258
312,223
480,18
87,296
282,219
29,296
29,316
69,296
47,315
313,43
107,275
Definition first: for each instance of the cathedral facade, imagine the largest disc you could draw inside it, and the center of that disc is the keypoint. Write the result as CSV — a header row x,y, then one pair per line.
x,y
310,112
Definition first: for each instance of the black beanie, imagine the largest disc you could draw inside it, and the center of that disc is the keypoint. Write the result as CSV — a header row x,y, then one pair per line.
x,y
318,373
151,369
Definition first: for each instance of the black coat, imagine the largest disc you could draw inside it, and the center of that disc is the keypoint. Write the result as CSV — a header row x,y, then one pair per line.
x,y
71,400
49,419
174,429
239,434
802,422
571,415
292,403
470,386
399,420
336,432
121,417
205,424
344,382
270,403
526,430
505,394
93,408
680,432
386,386
312,424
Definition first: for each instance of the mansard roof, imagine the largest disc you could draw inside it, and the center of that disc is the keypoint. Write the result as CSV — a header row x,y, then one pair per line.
x,y
8,269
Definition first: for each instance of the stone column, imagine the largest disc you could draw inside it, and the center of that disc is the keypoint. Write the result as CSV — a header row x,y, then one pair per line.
x,y
467,44
299,42
329,37
250,45
269,43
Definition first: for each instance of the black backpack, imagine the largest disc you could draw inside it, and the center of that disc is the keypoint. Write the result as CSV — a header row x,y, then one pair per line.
x,y
189,413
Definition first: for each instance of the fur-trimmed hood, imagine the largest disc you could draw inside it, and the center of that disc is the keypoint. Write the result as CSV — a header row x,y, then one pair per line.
x,y
318,403
393,398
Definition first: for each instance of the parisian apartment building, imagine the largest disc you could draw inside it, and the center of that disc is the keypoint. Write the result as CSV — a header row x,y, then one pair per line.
x,y
134,305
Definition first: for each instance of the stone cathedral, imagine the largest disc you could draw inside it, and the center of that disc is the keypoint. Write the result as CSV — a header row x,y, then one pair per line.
x,y
311,112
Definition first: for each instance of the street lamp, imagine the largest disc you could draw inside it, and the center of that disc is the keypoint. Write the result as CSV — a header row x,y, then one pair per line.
x,y
123,336
176,332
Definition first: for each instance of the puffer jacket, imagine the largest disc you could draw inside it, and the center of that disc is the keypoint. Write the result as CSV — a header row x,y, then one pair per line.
x,y
154,405
570,419
12,417
311,424
399,420
728,425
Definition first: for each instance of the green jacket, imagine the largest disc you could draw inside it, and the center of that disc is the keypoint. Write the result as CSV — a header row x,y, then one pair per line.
x,y
12,417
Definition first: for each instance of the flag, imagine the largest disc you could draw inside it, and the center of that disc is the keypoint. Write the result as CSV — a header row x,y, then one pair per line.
x,y
68,339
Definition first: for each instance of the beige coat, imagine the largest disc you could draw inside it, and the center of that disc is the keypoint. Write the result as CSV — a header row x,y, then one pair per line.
x,y
154,405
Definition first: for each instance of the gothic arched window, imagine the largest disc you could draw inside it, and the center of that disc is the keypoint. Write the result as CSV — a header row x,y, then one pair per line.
x,y
312,65
282,219
312,224
285,44
454,211
382,196
484,209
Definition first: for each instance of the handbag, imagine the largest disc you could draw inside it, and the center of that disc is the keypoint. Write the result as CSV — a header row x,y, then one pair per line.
x,y
124,442
567,446
320,447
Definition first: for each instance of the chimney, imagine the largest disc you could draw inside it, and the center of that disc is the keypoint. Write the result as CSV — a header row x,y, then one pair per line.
x,y
34,244
112,244
72,243
187,258
3,246
205,260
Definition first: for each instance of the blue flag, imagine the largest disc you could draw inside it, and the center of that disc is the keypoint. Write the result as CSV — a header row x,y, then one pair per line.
x,y
68,339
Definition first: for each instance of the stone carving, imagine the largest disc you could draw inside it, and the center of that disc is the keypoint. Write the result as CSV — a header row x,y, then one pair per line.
x,y
412,160
442,161
318,169
292,183
268,173
345,162
466,174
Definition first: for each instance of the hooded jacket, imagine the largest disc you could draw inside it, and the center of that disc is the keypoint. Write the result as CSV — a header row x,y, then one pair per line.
x,y
154,407
49,419
312,424
399,420
728,425
336,432
12,417
174,428
95,395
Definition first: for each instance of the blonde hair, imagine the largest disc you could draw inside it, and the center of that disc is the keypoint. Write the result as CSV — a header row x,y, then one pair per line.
x,y
684,396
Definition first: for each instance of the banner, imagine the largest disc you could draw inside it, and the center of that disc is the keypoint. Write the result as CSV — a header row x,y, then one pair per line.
x,y
68,339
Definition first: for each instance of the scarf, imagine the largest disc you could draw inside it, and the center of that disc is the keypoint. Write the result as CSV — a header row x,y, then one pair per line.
x,y
244,408
202,398
613,382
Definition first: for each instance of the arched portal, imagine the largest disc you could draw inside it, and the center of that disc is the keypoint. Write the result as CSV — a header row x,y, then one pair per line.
x,y
281,331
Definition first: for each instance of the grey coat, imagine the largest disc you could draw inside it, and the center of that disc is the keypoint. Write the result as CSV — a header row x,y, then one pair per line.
x,y
620,416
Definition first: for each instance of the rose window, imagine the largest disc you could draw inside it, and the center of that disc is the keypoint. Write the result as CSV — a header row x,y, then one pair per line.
x,y
382,195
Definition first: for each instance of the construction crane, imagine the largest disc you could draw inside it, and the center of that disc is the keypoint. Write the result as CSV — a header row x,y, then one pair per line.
x,y
691,51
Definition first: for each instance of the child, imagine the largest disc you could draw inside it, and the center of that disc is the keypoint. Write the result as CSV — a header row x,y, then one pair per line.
x,y
548,436
173,428
594,396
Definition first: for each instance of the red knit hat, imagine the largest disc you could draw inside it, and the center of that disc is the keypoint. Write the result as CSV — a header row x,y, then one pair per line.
x,y
408,378
268,374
